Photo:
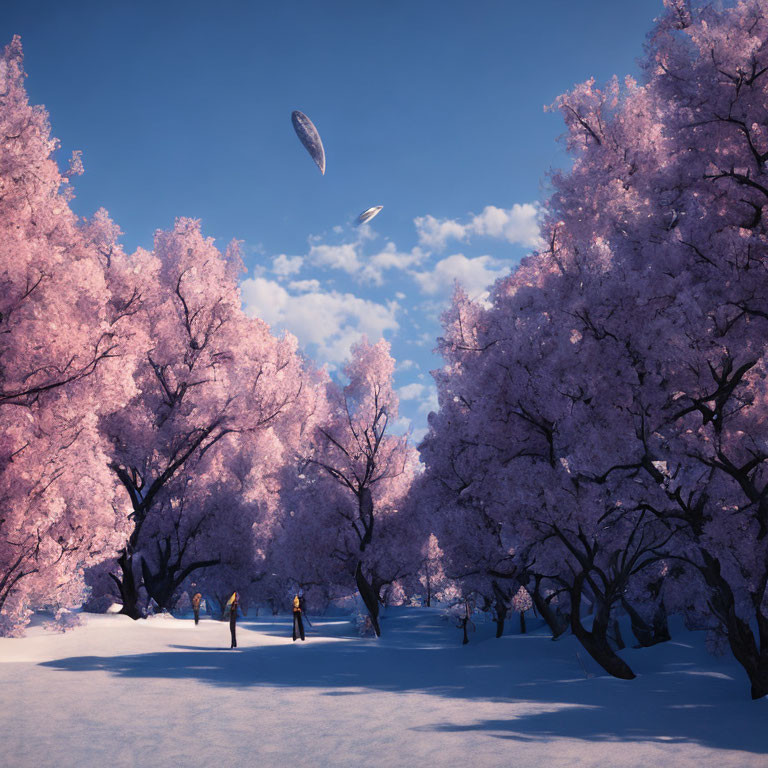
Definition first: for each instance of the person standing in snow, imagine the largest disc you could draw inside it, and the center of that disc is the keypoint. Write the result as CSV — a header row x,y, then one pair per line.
x,y
196,606
233,618
298,625
303,606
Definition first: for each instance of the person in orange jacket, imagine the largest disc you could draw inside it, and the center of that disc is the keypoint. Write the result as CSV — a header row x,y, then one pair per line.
x,y
298,624
197,597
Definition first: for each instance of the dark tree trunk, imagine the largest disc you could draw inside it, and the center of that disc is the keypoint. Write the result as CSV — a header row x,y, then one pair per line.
x,y
741,639
743,646
614,635
595,642
366,589
597,646
162,580
522,622
128,586
142,497
464,623
589,609
660,625
501,615
369,597
645,633
159,586
501,608
556,621
642,631
222,609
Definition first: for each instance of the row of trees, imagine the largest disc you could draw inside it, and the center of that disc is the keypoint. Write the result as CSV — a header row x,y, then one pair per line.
x,y
600,442
602,426
152,433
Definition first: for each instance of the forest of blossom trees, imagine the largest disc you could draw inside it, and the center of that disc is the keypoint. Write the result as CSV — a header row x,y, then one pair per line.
x,y
600,451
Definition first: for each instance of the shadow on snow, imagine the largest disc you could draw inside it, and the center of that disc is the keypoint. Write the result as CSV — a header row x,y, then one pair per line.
x,y
670,702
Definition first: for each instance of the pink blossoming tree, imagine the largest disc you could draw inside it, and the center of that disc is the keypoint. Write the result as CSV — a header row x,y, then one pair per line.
x,y
354,476
59,371
208,378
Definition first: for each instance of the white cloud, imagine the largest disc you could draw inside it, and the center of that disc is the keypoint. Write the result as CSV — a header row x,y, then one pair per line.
x,y
304,285
283,265
429,401
474,274
401,425
389,258
518,224
405,365
344,257
330,322
411,391
350,257
435,233
253,249
422,340
365,232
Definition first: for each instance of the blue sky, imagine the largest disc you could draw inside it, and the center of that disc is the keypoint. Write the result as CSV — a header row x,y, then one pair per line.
x,y
431,108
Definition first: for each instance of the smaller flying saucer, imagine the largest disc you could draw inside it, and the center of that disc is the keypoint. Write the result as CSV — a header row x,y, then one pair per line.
x,y
368,214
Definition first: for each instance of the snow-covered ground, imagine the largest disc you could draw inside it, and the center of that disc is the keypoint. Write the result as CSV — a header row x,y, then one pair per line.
x,y
163,692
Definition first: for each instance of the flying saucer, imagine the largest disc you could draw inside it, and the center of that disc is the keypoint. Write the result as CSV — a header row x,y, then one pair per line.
x,y
368,214
310,138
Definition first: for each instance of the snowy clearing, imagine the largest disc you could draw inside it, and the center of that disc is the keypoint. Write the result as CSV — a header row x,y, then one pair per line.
x,y
163,692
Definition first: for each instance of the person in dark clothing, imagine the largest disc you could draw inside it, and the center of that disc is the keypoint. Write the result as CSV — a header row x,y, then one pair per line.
x,y
303,606
298,625
233,619
196,606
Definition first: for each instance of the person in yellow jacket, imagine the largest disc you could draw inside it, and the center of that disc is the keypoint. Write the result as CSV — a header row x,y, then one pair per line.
x,y
233,603
298,624
196,598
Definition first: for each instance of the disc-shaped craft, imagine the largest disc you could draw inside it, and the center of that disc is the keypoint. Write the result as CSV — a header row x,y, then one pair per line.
x,y
368,214
310,138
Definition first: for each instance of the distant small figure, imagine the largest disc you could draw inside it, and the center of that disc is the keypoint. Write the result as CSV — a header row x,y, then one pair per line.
x,y
233,603
298,624
196,606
